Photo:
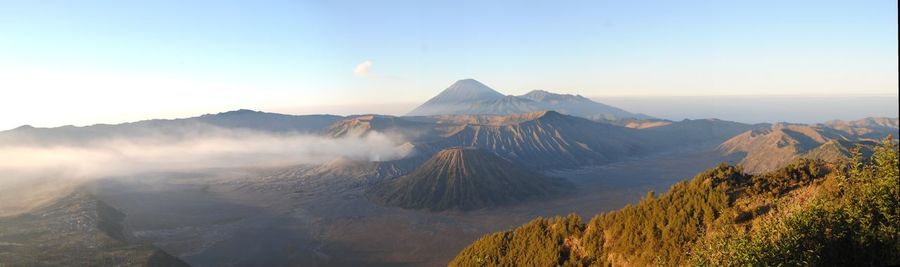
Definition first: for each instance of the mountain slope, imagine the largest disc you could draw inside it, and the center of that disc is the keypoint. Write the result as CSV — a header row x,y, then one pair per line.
x,y
77,230
770,148
546,139
807,213
464,179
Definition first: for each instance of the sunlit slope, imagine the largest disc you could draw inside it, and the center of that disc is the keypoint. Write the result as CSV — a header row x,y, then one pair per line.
x,y
766,149
809,212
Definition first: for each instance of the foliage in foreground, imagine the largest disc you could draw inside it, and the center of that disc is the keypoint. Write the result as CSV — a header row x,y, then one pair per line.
x,y
808,213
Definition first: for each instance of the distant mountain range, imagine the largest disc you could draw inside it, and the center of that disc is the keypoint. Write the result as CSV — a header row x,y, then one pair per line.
x,y
472,97
518,130
765,149
175,128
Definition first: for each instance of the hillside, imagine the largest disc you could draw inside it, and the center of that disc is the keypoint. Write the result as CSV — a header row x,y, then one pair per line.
x,y
464,179
807,213
769,148
77,230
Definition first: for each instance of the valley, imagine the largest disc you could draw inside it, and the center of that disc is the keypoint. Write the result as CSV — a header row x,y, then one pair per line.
x,y
227,222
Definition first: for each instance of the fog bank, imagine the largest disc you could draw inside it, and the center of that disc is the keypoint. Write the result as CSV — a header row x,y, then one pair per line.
x,y
34,174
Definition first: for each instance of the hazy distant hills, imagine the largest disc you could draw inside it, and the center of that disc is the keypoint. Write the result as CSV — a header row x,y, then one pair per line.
x,y
772,147
464,179
539,140
78,230
872,128
472,97
176,128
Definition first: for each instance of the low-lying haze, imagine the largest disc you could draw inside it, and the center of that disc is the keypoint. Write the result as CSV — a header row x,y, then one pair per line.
x,y
48,170
759,109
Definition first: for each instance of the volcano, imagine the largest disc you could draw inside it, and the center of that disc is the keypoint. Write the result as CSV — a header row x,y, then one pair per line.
x,y
464,179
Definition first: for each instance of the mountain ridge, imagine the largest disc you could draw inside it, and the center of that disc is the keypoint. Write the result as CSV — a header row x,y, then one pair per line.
x,y
771,147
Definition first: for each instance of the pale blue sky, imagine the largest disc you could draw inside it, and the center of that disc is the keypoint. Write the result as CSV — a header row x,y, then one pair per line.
x,y
80,62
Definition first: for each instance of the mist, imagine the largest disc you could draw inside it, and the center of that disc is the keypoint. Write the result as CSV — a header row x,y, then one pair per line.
x,y
760,109
34,174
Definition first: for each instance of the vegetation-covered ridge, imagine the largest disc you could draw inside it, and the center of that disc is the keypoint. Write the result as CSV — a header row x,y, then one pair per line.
x,y
807,213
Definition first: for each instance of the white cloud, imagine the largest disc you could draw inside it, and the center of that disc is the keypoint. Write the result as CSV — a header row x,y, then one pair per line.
x,y
363,69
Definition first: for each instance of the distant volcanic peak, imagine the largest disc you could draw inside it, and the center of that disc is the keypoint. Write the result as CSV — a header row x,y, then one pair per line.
x,y
542,95
457,98
469,89
472,97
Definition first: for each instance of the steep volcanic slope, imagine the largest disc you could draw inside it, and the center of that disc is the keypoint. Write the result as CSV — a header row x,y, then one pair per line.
x,y
769,148
546,139
457,97
472,97
464,179
77,230
502,106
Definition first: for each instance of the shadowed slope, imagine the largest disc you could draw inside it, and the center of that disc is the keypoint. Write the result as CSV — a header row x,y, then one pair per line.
x,y
77,230
464,179
547,140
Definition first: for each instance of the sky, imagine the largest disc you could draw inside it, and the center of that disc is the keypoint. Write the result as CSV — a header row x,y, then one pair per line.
x,y
85,62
